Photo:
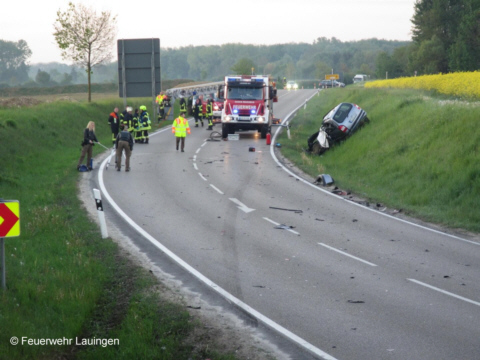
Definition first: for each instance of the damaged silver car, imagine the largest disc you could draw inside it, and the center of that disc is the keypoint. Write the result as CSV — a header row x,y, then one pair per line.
x,y
338,124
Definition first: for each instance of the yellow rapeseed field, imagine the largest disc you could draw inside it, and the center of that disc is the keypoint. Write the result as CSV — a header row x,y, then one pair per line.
x,y
462,84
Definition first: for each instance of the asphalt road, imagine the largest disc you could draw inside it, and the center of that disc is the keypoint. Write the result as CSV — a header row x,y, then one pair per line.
x,y
338,279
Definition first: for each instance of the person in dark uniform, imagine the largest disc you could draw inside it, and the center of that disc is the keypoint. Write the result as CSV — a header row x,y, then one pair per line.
x,y
123,142
114,122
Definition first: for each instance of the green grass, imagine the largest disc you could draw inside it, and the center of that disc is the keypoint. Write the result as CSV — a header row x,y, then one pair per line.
x,y
63,279
420,153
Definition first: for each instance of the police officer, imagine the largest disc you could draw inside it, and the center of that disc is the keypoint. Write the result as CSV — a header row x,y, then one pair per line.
x,y
123,142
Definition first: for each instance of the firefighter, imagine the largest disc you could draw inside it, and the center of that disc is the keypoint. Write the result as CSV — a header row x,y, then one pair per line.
x,y
137,127
209,109
196,112
199,107
183,105
127,119
114,122
144,119
161,106
180,128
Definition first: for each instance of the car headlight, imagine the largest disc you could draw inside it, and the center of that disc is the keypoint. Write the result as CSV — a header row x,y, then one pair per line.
x,y
260,119
227,118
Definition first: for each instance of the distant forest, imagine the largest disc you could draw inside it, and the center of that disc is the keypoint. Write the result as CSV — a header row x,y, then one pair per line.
x,y
445,38
299,61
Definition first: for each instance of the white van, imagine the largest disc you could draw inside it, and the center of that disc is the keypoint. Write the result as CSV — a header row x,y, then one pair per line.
x,y
359,78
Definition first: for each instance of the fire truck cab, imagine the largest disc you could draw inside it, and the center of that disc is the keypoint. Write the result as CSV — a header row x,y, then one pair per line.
x,y
248,104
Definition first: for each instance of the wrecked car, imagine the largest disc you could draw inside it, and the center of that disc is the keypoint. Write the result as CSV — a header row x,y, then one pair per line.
x,y
338,124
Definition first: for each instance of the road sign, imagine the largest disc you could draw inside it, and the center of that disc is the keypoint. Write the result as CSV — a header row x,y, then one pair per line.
x,y
331,77
9,218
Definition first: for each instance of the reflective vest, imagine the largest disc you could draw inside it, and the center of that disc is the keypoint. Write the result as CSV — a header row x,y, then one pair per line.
x,y
180,127
183,107
159,101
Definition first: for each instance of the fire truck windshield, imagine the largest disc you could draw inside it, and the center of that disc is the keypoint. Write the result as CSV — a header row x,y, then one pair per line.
x,y
244,93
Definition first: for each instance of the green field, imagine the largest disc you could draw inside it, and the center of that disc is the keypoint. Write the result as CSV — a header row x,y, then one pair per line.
x,y
420,153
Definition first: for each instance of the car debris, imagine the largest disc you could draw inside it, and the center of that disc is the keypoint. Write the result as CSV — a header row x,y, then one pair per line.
x,y
295,211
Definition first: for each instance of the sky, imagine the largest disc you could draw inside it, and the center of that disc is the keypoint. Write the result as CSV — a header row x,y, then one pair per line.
x,y
214,22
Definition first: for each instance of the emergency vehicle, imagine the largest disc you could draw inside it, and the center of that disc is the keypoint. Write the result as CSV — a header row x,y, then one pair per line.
x,y
248,104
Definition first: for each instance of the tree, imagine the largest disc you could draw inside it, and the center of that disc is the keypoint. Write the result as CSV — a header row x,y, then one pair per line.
x,y
13,58
84,37
42,78
243,67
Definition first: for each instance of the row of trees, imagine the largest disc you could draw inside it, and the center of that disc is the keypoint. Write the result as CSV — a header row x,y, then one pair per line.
x,y
446,38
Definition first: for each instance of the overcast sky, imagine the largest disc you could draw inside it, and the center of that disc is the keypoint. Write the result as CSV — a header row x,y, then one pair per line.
x,y
215,22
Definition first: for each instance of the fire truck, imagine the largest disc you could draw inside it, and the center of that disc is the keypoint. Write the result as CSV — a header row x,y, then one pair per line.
x,y
248,103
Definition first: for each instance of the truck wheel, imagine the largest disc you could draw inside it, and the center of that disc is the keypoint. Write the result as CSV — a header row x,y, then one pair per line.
x,y
263,132
225,131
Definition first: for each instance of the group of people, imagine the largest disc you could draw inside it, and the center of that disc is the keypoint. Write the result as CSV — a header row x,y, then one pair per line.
x,y
127,128
201,113
131,127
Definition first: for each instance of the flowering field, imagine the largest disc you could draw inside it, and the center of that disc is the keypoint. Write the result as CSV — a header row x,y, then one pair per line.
x,y
462,84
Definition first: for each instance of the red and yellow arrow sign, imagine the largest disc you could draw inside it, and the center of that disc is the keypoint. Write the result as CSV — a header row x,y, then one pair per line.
x,y
9,219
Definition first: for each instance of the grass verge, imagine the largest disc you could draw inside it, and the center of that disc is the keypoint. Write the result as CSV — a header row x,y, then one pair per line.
x,y
65,283
420,153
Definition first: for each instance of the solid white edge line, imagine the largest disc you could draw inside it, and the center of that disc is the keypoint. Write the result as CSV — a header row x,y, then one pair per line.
x,y
278,224
229,297
445,292
272,153
347,254
217,189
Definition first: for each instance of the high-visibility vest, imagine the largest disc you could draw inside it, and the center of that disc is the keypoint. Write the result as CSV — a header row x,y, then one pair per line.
x,y
180,127
209,109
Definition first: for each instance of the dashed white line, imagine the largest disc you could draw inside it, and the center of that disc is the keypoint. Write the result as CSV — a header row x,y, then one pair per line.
x,y
203,177
278,224
346,254
445,292
217,189
195,166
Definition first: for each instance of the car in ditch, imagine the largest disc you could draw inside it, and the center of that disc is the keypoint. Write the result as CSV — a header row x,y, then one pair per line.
x,y
337,125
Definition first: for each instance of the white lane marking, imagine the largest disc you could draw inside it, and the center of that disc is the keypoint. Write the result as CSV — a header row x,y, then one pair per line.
x,y
222,292
198,150
217,189
205,143
278,224
195,166
194,158
203,177
445,292
346,254
272,153
241,206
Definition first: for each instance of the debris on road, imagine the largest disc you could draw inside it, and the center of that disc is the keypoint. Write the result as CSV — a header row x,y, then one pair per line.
x,y
284,227
355,301
295,211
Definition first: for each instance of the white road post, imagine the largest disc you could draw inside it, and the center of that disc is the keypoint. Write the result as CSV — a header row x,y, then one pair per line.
x,y
101,215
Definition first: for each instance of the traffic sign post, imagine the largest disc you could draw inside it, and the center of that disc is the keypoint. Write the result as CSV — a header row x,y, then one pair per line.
x,y
9,227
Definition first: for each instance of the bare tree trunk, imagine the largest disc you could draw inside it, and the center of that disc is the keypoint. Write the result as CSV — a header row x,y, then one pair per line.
x,y
89,70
